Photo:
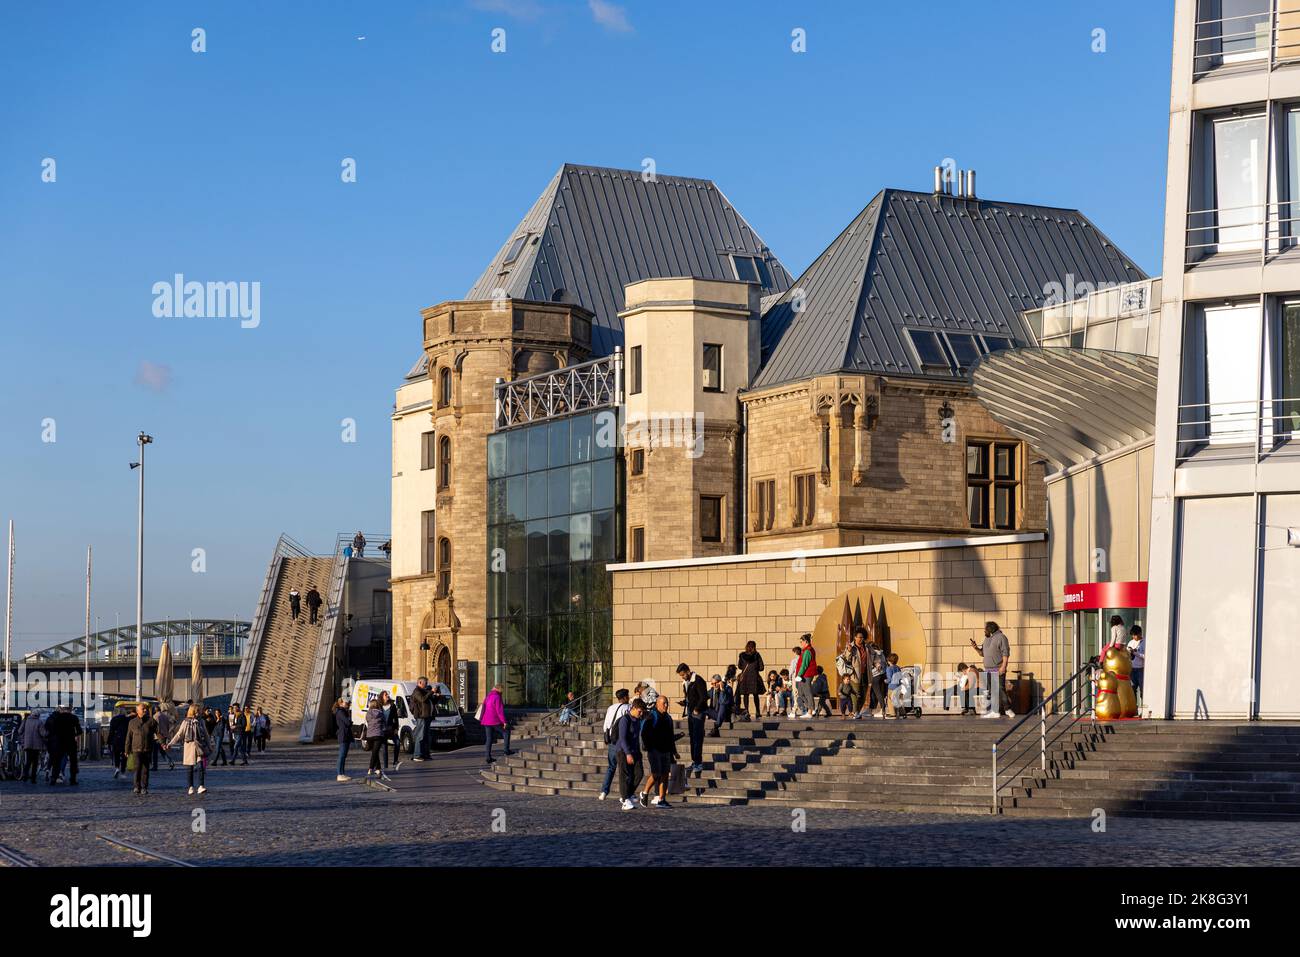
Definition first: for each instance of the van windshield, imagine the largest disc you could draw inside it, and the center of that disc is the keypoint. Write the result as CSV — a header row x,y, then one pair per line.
x,y
444,707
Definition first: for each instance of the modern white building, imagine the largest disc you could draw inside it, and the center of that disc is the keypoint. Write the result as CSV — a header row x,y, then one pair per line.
x,y
1224,602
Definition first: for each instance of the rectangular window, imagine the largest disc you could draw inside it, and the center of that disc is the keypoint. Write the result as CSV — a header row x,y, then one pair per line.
x,y
637,466
710,518
805,499
965,349
428,451
429,558
515,249
1240,154
992,483
929,349
1286,389
634,371
764,506
638,544
712,367
745,268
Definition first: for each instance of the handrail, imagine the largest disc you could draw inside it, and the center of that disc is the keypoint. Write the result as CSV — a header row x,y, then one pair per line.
x,y
1076,694
590,699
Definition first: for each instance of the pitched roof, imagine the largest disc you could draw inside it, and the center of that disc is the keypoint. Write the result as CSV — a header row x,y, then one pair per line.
x,y
594,230
929,262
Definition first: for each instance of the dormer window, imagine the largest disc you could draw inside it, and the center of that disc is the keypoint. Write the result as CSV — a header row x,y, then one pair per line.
x,y
750,269
929,349
515,249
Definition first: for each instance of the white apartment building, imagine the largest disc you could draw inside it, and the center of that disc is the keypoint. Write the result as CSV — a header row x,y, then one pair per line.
x,y
1224,604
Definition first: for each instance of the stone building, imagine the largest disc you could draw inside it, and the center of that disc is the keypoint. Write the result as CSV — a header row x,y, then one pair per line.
x,y
636,380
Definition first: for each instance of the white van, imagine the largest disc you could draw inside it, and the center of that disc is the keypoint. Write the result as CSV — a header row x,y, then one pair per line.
x,y
447,726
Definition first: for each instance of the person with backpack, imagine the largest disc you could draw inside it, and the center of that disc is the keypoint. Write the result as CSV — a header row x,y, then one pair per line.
x,y
661,751
749,682
194,736
62,729
612,714
421,711
313,604
695,704
493,721
628,736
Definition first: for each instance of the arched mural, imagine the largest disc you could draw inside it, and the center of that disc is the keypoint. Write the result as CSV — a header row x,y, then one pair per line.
x,y
886,615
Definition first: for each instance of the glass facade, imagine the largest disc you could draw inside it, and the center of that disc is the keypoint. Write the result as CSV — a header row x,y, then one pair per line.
x,y
555,505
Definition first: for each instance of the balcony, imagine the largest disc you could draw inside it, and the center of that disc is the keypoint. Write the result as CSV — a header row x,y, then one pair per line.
x,y
1255,233
589,385
1254,34
1236,431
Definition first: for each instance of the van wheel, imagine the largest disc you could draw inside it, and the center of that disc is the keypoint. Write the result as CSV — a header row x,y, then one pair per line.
x,y
408,744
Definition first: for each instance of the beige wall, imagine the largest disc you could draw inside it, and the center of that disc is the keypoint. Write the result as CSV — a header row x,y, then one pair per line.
x,y
703,612
412,487
1104,506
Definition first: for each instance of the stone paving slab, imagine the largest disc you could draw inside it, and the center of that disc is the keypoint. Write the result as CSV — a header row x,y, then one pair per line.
x,y
286,808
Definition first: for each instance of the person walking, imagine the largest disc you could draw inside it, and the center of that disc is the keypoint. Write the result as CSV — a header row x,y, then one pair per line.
x,y
612,714
493,720
261,729
359,548
235,719
997,655
141,734
117,740
246,733
35,741
749,683
660,750
803,676
391,730
860,677
192,733
628,730
421,711
376,733
62,731
695,703
295,604
219,735
313,604
164,718
343,731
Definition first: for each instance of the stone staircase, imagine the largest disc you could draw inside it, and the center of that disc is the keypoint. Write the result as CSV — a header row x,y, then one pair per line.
x,y
1185,769
938,764
281,673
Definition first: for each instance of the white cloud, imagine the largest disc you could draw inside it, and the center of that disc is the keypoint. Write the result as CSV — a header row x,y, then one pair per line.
x,y
153,376
610,16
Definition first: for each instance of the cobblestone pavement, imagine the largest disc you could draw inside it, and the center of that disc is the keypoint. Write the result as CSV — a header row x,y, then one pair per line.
x,y
286,808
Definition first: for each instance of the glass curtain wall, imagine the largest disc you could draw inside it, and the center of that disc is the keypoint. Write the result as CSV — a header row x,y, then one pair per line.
x,y
554,519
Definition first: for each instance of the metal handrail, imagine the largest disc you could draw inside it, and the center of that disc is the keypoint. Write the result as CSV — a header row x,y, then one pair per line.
x,y
590,699
373,541
1265,424
1076,693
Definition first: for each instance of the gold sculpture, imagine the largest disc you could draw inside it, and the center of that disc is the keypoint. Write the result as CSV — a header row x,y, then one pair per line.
x,y
1115,695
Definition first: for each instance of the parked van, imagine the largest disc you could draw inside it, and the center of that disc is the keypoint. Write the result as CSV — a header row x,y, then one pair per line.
x,y
447,726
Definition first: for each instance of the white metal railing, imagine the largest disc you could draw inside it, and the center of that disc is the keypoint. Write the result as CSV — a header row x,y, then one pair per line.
x,y
588,385
1264,229
1238,429
1266,36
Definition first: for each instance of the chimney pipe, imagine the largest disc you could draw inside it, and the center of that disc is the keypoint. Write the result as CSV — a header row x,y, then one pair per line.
x,y
947,182
961,182
938,179
970,183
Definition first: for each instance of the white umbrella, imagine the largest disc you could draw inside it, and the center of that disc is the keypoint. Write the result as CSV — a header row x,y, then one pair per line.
x,y
196,676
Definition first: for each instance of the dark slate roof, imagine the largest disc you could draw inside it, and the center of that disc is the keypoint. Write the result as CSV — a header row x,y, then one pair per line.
x,y
594,230
925,261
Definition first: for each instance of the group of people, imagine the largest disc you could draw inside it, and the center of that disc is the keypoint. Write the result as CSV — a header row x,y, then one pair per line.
x,y
57,738
313,604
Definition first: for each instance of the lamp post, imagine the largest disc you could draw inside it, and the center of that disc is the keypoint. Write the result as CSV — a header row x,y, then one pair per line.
x,y
424,656
141,440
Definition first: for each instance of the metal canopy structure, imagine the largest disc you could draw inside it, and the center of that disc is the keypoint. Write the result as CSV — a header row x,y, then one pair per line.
x,y
590,385
1071,405
218,638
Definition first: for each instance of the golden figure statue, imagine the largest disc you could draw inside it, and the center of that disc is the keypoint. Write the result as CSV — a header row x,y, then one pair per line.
x,y
1115,695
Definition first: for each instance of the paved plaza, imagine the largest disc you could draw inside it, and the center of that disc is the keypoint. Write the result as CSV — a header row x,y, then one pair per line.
x,y
286,808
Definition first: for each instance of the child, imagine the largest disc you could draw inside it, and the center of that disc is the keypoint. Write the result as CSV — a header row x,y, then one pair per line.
x,y
966,687
892,671
821,693
770,702
846,699
785,695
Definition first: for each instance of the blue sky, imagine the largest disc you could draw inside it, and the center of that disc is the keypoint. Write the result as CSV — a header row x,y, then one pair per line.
x,y
225,166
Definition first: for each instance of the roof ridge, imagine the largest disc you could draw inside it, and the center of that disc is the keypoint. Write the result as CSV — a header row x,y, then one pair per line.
x,y
863,282
636,173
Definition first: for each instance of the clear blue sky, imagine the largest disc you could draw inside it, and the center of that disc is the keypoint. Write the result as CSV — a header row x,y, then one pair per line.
x,y
225,166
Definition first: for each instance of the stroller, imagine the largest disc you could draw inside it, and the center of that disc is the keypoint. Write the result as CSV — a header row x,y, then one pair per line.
x,y
903,697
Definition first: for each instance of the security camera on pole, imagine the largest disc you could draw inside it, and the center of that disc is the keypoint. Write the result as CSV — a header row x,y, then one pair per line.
x,y
141,440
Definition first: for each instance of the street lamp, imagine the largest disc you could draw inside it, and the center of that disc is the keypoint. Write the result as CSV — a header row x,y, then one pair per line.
x,y
141,440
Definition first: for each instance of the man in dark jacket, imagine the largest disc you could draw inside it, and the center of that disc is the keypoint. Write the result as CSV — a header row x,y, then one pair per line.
x,y
295,604
141,734
696,704
117,740
313,603
62,730
628,735
721,703
661,750
421,711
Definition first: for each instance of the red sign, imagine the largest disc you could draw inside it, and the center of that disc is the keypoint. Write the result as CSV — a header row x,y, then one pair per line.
x,y
1089,595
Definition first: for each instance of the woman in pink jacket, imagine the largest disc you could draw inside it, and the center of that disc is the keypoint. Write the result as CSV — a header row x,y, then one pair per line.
x,y
493,720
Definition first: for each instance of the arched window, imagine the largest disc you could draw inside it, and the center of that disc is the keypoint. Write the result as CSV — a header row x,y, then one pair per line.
x,y
444,388
444,462
444,567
